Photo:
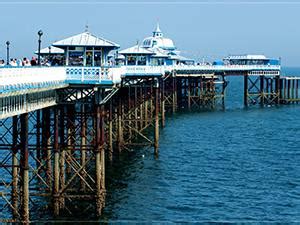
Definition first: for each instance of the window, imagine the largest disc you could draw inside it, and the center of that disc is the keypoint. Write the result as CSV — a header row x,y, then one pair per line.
x,y
89,58
158,61
76,58
97,59
131,60
141,60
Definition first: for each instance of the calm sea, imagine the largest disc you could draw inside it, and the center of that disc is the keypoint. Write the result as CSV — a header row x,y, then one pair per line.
x,y
237,165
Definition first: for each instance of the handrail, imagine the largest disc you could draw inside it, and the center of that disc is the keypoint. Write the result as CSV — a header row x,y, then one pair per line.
x,y
220,67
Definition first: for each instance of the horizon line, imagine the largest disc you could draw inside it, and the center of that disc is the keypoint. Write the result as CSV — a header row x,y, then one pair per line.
x,y
152,3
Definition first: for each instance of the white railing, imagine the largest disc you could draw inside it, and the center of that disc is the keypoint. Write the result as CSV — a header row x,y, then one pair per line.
x,y
86,74
20,78
25,75
225,67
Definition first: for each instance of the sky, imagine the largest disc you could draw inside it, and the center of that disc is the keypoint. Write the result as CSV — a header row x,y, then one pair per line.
x,y
200,29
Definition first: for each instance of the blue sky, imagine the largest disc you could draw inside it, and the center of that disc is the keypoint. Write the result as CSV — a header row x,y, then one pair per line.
x,y
209,29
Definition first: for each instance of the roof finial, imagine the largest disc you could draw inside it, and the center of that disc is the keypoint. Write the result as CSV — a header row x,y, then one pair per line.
x,y
157,27
157,32
86,27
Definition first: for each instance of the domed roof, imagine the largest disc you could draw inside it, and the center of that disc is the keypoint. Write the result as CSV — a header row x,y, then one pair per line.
x,y
158,40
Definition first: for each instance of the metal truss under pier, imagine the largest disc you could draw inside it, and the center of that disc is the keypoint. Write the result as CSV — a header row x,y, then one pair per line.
x,y
270,90
56,155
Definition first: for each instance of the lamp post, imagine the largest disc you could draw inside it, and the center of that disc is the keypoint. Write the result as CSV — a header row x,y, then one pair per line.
x,y
7,52
50,57
40,33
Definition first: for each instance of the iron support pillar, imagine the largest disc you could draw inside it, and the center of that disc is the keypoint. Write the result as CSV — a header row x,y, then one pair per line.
x,y
277,89
189,92
14,193
62,169
56,165
156,117
162,99
120,125
98,162
246,90
83,134
262,91
141,115
223,90
99,153
174,98
46,144
38,138
110,131
24,168
289,89
71,111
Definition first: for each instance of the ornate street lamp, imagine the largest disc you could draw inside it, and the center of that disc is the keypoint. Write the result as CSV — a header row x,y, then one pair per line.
x,y
7,52
40,33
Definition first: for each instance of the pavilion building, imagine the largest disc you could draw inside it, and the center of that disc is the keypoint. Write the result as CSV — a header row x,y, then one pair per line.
x,y
137,56
156,50
86,49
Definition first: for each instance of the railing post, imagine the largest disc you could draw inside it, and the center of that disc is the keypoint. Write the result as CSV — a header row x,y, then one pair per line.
x,y
82,73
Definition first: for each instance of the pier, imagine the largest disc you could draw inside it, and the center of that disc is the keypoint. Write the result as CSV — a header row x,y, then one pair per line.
x,y
60,125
